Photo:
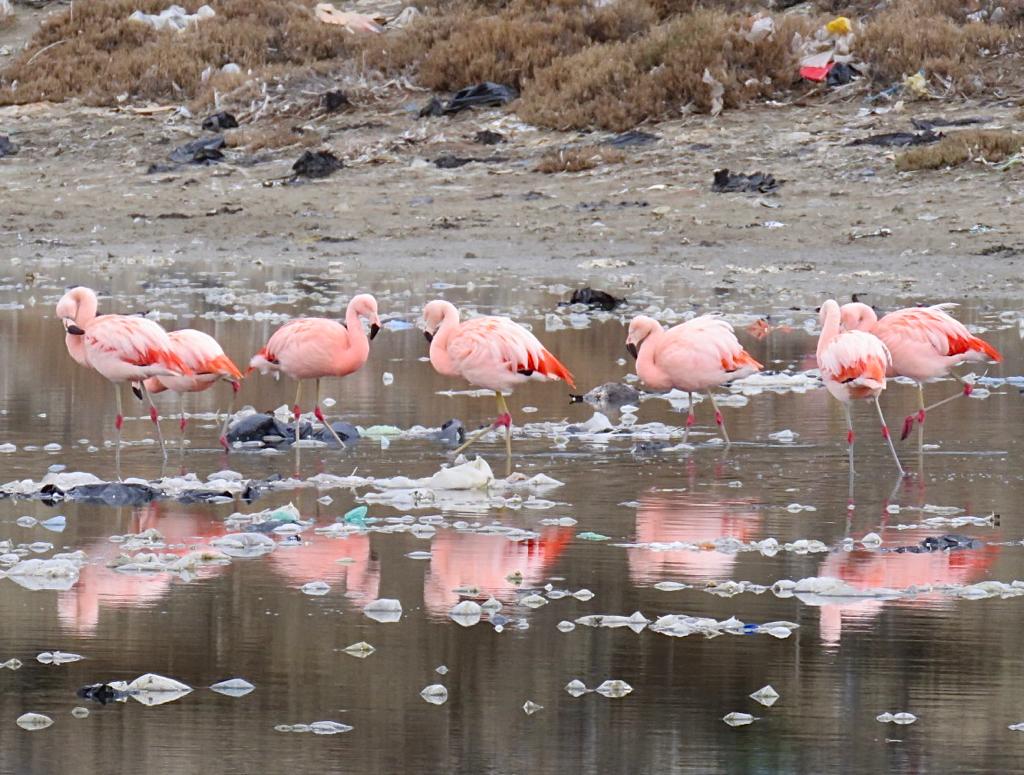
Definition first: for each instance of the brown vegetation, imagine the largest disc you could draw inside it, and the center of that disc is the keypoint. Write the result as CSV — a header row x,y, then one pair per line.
x,y
270,136
578,158
97,54
961,147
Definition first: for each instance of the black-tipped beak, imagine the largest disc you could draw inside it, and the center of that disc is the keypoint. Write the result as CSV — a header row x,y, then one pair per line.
x,y
575,399
374,330
74,330
429,336
137,391
632,349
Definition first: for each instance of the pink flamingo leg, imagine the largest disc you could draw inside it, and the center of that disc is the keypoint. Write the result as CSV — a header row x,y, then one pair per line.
x,y
320,416
118,423
719,420
850,436
235,387
888,438
297,413
155,417
689,418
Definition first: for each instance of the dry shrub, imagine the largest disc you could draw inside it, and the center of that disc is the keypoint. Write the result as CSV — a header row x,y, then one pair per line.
x,y
961,147
578,159
459,45
925,35
617,85
99,54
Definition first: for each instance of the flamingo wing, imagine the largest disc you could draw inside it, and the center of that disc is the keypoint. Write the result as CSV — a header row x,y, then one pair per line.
x,y
202,353
304,339
136,341
936,328
502,344
856,357
709,339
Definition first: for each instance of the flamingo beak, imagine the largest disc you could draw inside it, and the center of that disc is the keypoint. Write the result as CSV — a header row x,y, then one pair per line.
x,y
632,349
137,391
429,336
74,330
374,330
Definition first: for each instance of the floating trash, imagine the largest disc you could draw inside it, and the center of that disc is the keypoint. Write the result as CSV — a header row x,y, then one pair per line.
x,y
435,694
566,626
441,670
384,610
736,719
1018,727
589,536
26,521
55,524
315,588
57,658
766,695
533,601
614,688
530,707
360,650
34,721
491,605
896,718
635,621
467,613
244,544
419,555
152,689
233,687
80,712
328,728
576,687
11,664
583,595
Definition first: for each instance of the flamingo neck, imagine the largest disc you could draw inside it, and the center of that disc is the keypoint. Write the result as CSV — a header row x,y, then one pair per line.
x,y
76,348
829,329
645,354
87,306
439,357
358,341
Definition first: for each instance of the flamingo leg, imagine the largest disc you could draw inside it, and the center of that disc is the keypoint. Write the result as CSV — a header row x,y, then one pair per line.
x,y
718,419
320,416
888,438
182,422
689,417
297,413
472,438
235,387
155,417
849,442
504,418
118,422
507,417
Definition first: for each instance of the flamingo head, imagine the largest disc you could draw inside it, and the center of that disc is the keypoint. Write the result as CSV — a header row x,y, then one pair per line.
x,y
827,310
76,308
640,328
434,314
857,316
365,306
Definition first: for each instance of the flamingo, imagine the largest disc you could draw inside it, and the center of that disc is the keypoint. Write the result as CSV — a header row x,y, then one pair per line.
x,y
694,356
925,344
121,348
853,366
206,358
314,348
494,353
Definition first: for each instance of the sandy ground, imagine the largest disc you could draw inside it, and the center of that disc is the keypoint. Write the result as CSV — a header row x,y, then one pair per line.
x,y
79,189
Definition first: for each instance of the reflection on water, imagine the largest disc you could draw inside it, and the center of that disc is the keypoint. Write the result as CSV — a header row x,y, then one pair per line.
x,y
953,662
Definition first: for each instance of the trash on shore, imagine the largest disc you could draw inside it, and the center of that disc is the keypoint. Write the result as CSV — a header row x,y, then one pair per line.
x,y
219,121
7,148
350,20
737,182
316,164
594,298
481,95
205,150
173,18
899,139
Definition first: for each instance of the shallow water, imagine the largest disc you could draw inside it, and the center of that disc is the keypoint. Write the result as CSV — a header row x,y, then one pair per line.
x,y
952,662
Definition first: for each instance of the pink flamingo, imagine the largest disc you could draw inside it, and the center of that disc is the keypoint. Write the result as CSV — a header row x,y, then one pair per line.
x,y
206,358
314,348
121,348
853,366
494,353
925,344
694,356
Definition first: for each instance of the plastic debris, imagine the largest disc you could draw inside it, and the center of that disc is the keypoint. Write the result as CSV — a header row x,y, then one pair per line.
x,y
152,689
441,670
766,695
11,664
360,650
755,182
589,536
7,148
80,712
173,18
233,687
435,694
717,91
34,721
530,707
220,121
385,610
350,20
736,719
316,164
54,574
899,139
205,151
576,687
356,516
566,626
481,95
329,728
896,718
57,658
614,688
533,601
315,588
839,26
467,613
244,544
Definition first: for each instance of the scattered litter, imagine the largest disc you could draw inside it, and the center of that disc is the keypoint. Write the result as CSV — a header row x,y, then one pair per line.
x,y
334,100
735,719
57,658
435,694
7,148
205,150
152,689
316,164
896,718
34,721
315,588
530,707
173,18
11,664
350,20
576,688
233,687
899,139
384,610
219,121
482,95
441,670
487,137
589,536
614,688
317,728
927,124
755,182
467,613
595,299
360,650
766,695
80,712
631,138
